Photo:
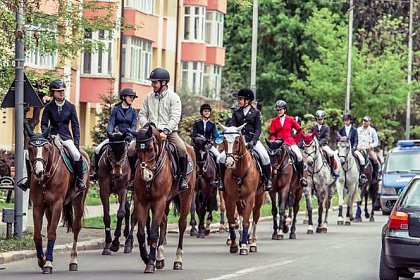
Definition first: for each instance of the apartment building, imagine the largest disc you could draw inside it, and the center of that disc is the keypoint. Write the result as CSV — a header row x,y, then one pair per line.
x,y
183,36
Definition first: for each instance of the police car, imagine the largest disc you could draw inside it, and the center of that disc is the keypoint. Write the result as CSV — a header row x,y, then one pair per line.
x,y
401,165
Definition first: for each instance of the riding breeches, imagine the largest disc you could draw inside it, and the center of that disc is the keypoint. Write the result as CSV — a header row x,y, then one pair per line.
x,y
69,144
262,152
328,150
174,138
214,151
297,152
99,147
361,158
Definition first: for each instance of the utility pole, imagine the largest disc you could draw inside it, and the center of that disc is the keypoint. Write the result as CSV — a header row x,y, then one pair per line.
x,y
409,70
349,58
19,115
253,85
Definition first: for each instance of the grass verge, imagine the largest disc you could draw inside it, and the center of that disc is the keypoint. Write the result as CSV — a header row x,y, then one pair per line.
x,y
26,243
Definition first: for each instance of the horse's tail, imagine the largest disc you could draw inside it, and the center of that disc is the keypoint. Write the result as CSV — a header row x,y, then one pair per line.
x,y
68,216
176,200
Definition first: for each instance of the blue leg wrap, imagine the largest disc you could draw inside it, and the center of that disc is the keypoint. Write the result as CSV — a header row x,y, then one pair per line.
x,y
50,250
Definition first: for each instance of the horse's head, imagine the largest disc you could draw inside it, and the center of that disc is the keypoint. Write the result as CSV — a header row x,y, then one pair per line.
x,y
310,144
117,151
343,148
40,151
147,147
277,152
234,145
201,146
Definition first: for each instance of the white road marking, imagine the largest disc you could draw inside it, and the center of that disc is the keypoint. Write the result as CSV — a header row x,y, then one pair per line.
x,y
250,270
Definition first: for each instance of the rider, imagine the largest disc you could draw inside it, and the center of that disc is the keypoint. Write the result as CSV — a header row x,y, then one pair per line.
x,y
163,107
281,128
208,129
247,114
349,131
58,114
368,141
124,118
322,131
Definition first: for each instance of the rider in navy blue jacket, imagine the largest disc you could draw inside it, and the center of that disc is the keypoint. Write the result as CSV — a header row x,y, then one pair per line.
x,y
349,131
124,118
58,115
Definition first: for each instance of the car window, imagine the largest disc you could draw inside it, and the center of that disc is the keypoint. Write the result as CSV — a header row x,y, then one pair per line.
x,y
411,198
403,162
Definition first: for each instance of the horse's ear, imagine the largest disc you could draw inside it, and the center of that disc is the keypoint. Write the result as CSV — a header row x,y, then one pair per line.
x,y
29,130
223,127
46,133
268,142
239,129
109,135
149,132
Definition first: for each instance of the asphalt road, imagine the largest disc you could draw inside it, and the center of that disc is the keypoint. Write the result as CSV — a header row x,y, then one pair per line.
x,y
342,253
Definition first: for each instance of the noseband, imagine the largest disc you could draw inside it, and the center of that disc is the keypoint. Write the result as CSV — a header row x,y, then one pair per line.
x,y
313,155
40,142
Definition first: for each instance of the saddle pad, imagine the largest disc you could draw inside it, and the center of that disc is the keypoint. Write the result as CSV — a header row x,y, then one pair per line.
x,y
69,163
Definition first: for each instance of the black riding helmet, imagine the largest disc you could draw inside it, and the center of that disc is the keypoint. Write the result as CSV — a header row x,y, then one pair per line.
x,y
128,92
246,93
57,85
159,74
347,116
205,106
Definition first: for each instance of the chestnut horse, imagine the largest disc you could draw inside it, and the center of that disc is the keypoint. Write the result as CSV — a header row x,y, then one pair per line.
x,y
154,188
50,186
205,192
286,186
112,180
244,191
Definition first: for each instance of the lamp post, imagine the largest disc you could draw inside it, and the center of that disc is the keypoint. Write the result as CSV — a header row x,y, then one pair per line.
x,y
253,85
349,58
409,70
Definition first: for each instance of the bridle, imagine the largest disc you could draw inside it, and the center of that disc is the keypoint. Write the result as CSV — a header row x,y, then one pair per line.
x,y
236,156
346,157
313,155
48,174
280,152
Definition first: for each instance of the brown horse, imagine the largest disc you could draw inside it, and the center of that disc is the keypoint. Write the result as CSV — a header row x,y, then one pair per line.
x,y
155,187
243,189
286,186
51,184
205,192
112,180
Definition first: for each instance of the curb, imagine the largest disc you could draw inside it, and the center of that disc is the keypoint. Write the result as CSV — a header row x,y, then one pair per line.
x,y
99,243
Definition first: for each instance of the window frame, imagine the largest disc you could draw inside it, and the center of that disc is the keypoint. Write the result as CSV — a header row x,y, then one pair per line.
x,y
194,23
34,57
97,57
141,63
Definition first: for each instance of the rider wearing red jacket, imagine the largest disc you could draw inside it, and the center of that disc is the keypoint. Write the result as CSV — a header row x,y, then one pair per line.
x,y
281,128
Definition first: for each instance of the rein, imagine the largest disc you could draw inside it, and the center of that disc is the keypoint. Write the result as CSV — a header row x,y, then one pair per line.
x,y
283,163
53,168
312,173
347,159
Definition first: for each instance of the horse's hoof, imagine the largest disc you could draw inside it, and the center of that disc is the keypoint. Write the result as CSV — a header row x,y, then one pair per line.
x,y
160,264
228,242
193,232
177,265
234,249
73,267
280,237
318,230
292,236
106,252
358,220
340,223
150,268
41,263
274,236
243,251
367,215
115,247
372,219
47,270
288,221
324,230
310,231
128,249
206,232
305,222
253,249
347,223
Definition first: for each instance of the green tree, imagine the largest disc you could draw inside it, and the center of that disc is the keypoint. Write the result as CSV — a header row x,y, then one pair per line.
x,y
99,133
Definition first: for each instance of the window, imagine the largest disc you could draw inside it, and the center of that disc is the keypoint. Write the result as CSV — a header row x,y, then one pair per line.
x,y
136,59
146,6
192,76
194,23
38,54
214,28
98,62
212,81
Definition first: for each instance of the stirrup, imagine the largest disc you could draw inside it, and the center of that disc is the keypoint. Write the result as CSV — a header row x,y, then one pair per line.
x,y
130,185
303,182
363,178
268,186
183,184
80,186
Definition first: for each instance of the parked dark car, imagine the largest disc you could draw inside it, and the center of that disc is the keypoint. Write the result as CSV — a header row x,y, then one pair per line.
x,y
400,254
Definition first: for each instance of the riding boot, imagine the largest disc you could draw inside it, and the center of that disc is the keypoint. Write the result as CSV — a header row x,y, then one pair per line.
x,y
130,184
24,183
183,165
94,175
217,181
362,177
375,173
302,180
222,169
267,176
334,167
80,184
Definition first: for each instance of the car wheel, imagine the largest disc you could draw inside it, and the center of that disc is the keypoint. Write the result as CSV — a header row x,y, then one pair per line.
x,y
386,213
406,274
386,272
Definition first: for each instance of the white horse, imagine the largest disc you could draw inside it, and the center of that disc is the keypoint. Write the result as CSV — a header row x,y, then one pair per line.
x,y
319,177
351,180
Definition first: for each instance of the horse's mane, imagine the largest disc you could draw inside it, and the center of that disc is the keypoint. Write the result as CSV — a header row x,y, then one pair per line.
x,y
146,133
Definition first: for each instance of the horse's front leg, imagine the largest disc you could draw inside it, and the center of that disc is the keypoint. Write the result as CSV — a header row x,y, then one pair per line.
x,y
182,225
230,213
122,199
367,194
283,200
160,259
141,214
274,213
295,205
193,222
38,214
222,226
56,210
129,227
259,200
78,207
340,193
249,204
308,199
209,220
201,212
321,197
107,221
